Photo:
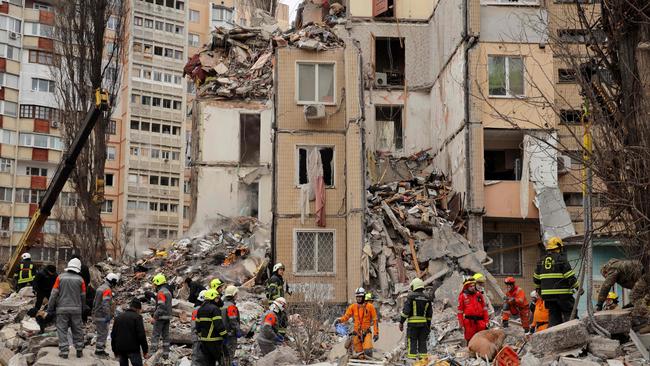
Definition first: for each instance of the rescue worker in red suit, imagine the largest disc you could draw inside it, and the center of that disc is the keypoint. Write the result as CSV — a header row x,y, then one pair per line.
x,y
472,310
515,303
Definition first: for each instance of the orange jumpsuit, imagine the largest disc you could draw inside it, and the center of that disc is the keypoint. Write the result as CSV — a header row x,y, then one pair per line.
x,y
518,306
365,316
472,313
540,316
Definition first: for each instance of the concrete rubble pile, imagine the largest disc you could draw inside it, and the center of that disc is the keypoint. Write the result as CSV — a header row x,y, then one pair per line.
x,y
238,62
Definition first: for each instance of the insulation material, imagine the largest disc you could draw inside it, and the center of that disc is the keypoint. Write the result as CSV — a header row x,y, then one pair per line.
x,y
540,167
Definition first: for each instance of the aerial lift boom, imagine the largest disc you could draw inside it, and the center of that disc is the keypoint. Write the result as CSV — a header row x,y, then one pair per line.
x,y
61,176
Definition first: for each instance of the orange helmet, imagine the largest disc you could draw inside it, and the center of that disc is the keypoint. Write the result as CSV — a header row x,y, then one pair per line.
x,y
509,281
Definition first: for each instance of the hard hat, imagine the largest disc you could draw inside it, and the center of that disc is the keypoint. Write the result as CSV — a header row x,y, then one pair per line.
x,y
211,294
280,303
509,280
469,280
553,243
159,279
533,294
478,277
231,291
74,265
612,295
215,284
278,266
369,297
201,296
112,278
360,292
26,256
417,284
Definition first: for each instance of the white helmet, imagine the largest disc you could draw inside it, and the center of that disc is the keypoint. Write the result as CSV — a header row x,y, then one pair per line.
x,y
231,291
360,292
112,278
533,294
201,296
26,256
74,265
280,303
277,267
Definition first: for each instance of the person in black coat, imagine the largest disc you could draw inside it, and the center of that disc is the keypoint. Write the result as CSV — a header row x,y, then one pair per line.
x,y
43,283
194,288
128,336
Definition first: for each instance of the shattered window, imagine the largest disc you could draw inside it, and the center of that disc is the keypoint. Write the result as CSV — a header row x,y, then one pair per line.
x,y
506,76
315,83
327,159
314,252
389,128
505,250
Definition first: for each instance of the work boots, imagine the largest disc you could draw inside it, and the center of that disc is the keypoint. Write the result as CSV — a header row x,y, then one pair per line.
x,y
101,353
80,353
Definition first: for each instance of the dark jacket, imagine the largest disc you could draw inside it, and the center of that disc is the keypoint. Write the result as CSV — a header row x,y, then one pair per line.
x,y
555,277
417,311
275,287
128,334
43,282
85,274
195,289
209,323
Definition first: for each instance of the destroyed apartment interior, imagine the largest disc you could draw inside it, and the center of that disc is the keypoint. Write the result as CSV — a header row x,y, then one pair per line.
x,y
325,182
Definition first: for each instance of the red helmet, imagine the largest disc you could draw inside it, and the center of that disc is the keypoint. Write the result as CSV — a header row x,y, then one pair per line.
x,y
510,280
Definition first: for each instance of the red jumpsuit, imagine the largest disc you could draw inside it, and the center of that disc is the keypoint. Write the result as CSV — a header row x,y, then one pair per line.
x,y
517,306
472,312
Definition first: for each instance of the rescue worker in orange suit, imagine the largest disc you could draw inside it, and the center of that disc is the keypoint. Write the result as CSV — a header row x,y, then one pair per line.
x,y
472,310
269,337
365,318
417,312
540,313
515,303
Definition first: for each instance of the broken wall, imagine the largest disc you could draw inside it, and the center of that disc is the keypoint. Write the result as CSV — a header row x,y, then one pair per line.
x,y
404,9
225,184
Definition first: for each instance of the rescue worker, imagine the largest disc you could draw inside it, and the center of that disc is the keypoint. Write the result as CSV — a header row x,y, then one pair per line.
x,y
193,288
417,313
472,310
269,337
217,285
103,312
128,336
197,358
90,290
161,315
25,273
515,303
540,313
67,301
628,274
611,302
230,314
557,281
370,300
210,329
43,283
275,286
480,287
365,324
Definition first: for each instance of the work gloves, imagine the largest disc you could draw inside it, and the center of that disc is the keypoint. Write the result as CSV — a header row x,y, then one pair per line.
x,y
375,337
599,306
401,327
279,339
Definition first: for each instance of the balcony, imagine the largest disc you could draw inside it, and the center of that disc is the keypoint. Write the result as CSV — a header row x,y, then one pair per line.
x,y
502,200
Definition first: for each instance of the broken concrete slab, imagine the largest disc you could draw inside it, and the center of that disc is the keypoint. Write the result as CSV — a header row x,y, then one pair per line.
x,y
472,262
456,245
9,332
50,357
602,347
617,321
530,360
282,355
14,302
560,337
27,291
18,360
437,265
615,363
449,288
5,356
431,249
30,325
183,305
568,361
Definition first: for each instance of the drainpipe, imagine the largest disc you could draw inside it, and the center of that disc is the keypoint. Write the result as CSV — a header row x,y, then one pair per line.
x,y
470,41
274,167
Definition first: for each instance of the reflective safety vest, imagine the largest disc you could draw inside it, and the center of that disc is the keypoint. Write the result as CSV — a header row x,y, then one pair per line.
x,y
209,323
417,309
25,273
555,276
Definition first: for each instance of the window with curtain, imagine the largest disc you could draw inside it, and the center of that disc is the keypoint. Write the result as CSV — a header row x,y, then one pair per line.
x,y
506,76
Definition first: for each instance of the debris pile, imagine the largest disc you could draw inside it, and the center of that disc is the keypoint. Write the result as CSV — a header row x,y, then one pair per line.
x,y
238,62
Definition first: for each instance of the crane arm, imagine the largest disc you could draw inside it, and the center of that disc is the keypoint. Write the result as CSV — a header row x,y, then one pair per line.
x,y
61,176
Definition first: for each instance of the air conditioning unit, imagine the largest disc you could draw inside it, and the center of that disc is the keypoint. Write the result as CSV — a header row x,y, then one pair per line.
x,y
563,164
4,234
13,35
381,78
314,111
54,124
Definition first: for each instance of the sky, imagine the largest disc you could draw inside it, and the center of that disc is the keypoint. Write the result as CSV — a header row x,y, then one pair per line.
x,y
293,5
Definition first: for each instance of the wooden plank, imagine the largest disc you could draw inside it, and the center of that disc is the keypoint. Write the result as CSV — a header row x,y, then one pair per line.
x,y
414,255
404,232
